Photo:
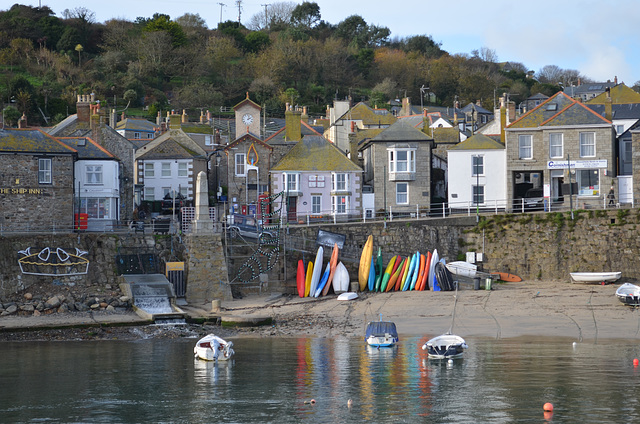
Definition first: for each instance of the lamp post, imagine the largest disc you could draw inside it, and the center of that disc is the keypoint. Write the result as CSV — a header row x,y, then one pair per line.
x,y
476,194
218,158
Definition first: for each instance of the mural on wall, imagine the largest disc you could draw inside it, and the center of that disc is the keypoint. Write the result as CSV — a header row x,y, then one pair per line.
x,y
266,256
53,262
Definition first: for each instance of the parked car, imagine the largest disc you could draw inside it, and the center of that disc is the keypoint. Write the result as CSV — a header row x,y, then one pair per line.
x,y
168,202
247,226
534,199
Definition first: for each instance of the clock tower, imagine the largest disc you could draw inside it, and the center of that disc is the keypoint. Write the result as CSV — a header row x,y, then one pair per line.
x,y
247,115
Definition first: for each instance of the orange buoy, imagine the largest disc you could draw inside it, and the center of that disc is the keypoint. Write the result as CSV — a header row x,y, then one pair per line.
x,y
636,362
548,407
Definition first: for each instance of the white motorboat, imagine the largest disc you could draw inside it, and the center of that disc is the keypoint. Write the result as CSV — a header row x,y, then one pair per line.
x,y
446,346
595,277
381,334
629,294
462,268
213,348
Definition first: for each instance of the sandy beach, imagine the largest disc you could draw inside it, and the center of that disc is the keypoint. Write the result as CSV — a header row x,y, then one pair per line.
x,y
583,312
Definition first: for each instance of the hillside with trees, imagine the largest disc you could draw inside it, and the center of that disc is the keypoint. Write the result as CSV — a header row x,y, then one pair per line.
x,y
289,55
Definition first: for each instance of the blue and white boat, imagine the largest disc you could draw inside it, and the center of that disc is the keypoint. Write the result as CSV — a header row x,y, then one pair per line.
x,y
446,346
381,334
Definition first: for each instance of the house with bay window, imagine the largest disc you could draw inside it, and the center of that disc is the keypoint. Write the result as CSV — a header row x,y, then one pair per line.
x,y
561,141
317,181
97,184
398,167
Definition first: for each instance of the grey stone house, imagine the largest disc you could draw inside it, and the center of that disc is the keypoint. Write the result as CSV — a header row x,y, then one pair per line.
x,y
398,166
560,141
36,181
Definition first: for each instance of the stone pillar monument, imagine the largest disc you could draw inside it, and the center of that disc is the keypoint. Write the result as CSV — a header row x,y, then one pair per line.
x,y
202,224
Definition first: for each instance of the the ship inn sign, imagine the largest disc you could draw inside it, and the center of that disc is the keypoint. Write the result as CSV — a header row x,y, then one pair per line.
x,y
577,164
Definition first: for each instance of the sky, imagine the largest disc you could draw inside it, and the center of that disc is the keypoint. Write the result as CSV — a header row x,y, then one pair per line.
x,y
598,39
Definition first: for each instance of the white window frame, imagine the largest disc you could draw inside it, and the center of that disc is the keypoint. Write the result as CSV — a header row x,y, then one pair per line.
x,y
395,163
591,190
93,174
290,181
149,170
208,140
400,194
316,204
149,193
477,165
316,181
165,170
477,194
45,166
340,204
556,147
524,151
183,169
241,164
339,181
587,142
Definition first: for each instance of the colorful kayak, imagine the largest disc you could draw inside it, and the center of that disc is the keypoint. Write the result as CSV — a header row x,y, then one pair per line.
x,y
371,281
403,274
300,278
307,282
396,273
379,272
323,281
424,284
317,272
416,282
365,263
387,274
333,262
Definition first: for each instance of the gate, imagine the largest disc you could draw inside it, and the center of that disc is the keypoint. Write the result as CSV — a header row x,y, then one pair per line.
x,y
175,275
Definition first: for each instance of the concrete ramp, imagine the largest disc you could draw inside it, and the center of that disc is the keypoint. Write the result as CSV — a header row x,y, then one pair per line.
x,y
152,297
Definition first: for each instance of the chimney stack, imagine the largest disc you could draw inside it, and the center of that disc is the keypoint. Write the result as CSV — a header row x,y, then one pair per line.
x,y
608,105
293,126
22,122
185,117
82,107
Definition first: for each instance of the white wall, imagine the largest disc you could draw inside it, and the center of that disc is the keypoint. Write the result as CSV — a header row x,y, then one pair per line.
x,y
461,180
158,182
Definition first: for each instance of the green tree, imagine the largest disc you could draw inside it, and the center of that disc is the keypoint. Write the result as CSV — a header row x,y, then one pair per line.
x,y
306,15
11,116
162,22
256,41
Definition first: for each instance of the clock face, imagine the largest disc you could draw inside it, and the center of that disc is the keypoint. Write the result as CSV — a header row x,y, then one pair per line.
x,y
247,119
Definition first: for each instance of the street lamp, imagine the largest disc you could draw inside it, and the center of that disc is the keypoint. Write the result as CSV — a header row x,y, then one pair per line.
x,y
218,158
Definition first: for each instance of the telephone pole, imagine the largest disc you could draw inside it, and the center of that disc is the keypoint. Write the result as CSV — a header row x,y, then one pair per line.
x,y
221,6
239,4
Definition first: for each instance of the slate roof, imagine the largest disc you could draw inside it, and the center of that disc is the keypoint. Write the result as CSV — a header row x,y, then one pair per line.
x,y
402,130
87,148
620,94
369,116
558,110
478,142
31,141
472,106
315,153
136,124
173,144
305,130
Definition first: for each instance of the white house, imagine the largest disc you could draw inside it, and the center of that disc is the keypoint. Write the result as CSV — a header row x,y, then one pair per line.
x,y
477,169
97,184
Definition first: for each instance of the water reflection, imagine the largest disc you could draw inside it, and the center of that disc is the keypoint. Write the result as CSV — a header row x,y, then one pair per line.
x,y
274,380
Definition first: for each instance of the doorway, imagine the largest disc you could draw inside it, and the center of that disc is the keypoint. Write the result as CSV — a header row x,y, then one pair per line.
x,y
557,179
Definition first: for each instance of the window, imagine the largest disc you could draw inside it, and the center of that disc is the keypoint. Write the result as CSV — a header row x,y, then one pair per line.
x,y
587,144
402,193
525,147
291,181
166,170
94,174
478,194
44,171
182,169
588,182
619,129
208,140
136,135
184,191
149,193
96,207
316,204
402,160
339,182
149,135
340,204
316,181
241,169
477,165
165,191
555,145
149,170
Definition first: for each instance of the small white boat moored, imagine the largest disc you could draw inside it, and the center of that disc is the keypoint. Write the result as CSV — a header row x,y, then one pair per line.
x,y
462,268
595,277
381,334
446,346
629,294
213,348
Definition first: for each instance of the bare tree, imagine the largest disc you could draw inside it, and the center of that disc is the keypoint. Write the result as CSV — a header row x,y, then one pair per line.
x,y
81,13
275,15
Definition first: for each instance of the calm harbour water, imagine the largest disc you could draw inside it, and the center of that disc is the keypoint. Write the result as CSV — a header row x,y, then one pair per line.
x,y
158,380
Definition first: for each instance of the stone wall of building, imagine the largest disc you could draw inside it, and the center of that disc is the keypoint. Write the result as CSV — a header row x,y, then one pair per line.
x,y
25,203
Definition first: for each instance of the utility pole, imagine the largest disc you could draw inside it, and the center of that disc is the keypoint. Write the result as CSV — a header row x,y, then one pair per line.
x,y
239,4
221,6
266,18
